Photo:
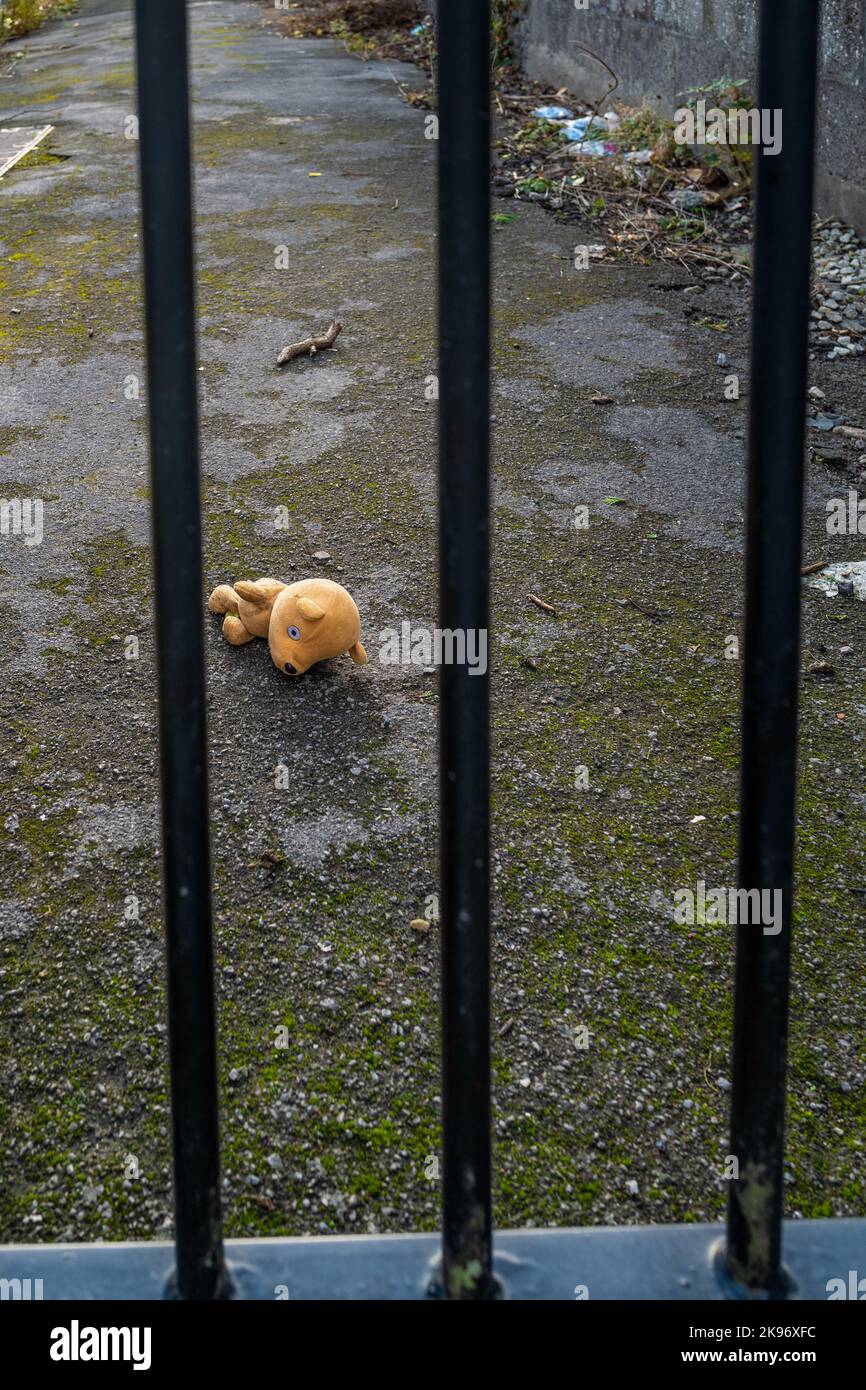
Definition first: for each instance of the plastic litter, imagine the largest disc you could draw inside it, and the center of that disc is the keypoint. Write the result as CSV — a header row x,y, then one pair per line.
x,y
597,148
683,198
638,156
825,422
841,578
553,113
583,126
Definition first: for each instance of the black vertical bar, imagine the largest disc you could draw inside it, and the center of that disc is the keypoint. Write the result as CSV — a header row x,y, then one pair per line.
x,y
782,266
163,104
464,525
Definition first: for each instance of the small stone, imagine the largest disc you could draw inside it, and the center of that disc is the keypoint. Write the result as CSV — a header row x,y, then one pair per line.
x,y
419,924
322,555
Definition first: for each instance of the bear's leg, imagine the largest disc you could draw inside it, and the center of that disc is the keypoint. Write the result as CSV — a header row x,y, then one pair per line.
x,y
235,632
358,654
223,600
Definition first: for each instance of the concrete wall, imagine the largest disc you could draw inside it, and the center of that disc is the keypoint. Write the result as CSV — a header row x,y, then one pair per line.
x,y
658,48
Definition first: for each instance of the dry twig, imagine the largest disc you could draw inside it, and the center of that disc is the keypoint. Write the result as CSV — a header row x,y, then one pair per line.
x,y
539,603
308,347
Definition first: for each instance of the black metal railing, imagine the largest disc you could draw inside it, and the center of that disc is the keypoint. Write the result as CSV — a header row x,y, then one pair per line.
x,y
780,319
172,394
751,1258
464,579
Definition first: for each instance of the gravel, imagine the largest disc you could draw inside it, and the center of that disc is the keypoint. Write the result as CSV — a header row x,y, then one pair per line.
x,y
839,292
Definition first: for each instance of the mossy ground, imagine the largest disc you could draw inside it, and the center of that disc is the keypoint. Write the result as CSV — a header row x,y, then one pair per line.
x,y
328,1002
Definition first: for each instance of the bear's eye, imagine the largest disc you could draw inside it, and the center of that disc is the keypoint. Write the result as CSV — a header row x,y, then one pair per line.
x,y
294,633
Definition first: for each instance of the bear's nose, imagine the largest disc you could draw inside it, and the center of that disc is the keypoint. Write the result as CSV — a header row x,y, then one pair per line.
x,y
290,668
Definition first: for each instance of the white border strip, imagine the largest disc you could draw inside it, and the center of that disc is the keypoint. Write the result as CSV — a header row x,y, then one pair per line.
x,y
31,144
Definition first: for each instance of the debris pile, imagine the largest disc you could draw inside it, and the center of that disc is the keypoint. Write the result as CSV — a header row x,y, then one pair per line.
x,y
396,29
656,198
847,578
652,194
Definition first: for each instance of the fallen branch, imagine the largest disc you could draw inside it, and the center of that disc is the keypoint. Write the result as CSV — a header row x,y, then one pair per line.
x,y
308,347
539,603
814,569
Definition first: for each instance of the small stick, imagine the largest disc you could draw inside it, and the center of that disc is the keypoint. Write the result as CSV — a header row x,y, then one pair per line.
x,y
310,346
539,603
653,613
814,569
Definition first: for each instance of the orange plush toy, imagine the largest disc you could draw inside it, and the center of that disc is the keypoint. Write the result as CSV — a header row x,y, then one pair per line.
x,y
304,622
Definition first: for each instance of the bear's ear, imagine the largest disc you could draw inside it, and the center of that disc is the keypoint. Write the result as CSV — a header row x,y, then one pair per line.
x,y
309,608
252,593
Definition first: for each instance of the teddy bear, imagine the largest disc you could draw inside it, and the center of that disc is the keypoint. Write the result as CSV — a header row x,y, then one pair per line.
x,y
304,622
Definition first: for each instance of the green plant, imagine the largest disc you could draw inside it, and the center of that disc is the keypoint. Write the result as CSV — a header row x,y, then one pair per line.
x,y
723,92
502,16
682,227
726,94
641,131
352,42
19,17
534,185
537,137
